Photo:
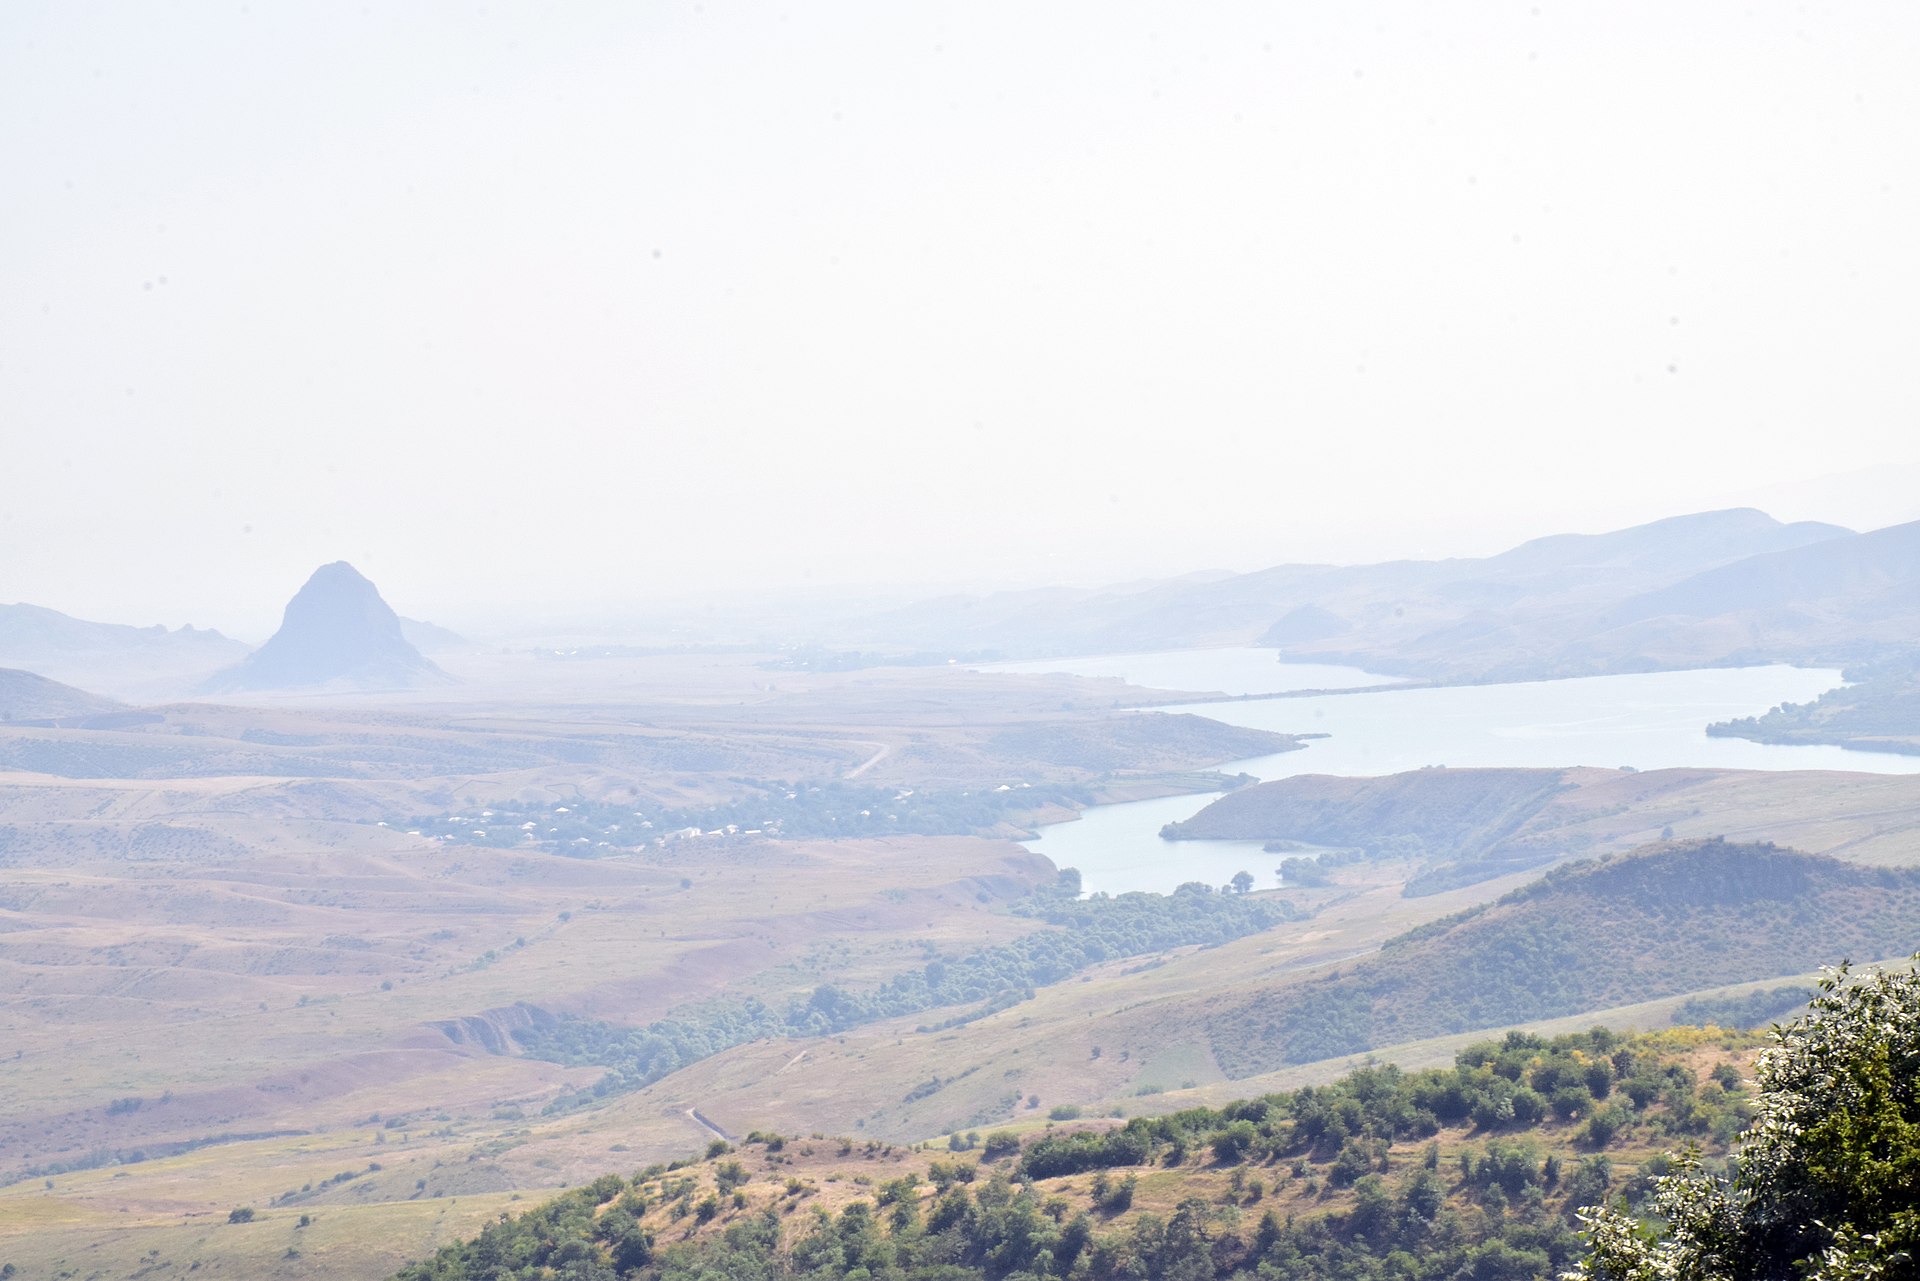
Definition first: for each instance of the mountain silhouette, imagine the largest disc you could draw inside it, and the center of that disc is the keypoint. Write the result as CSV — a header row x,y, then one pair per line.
x,y
337,633
138,664
27,698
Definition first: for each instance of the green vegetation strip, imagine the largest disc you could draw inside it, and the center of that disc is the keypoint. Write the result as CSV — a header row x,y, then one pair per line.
x,y
1086,932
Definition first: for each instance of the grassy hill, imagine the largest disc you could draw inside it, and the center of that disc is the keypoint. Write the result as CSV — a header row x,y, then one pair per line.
x,y
1472,824
1590,935
1465,826
1165,740
1470,1170
25,697
1446,810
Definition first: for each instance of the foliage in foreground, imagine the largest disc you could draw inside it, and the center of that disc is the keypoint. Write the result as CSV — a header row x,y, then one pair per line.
x,y
1828,1182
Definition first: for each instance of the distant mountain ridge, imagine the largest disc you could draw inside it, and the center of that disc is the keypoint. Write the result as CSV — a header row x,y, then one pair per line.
x,y
1862,569
1677,544
1703,589
337,633
431,638
113,658
34,628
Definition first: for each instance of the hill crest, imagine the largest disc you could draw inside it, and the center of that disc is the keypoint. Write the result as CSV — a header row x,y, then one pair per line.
x,y
1653,922
27,698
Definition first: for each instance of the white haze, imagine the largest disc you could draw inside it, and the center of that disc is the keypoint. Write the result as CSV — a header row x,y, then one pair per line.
x,y
555,308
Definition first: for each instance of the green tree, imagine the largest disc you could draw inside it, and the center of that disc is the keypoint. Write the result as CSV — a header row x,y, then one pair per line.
x,y
1826,1182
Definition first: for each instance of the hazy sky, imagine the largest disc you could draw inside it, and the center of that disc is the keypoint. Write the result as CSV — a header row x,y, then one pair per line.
x,y
579,305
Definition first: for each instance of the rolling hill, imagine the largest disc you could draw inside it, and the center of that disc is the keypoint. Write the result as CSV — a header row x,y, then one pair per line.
x,y
1631,927
1449,812
29,699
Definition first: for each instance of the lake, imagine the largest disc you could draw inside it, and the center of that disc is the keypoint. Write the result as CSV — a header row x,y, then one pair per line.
x,y
1649,721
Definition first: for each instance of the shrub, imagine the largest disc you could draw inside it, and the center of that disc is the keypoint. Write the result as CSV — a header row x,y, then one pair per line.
x,y
1001,1143
1603,1125
1571,1102
1353,1162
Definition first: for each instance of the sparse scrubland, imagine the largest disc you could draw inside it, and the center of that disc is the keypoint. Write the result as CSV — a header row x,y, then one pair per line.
x,y
1476,1169
1490,1168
